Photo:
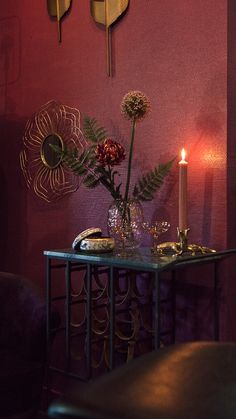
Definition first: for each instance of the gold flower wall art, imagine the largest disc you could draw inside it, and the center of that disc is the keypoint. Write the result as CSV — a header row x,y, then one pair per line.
x,y
43,170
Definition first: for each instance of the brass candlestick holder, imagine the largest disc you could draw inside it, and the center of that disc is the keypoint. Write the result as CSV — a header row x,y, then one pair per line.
x,y
183,240
182,248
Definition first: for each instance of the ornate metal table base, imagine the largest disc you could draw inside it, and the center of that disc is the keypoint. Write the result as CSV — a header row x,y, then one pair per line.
x,y
112,304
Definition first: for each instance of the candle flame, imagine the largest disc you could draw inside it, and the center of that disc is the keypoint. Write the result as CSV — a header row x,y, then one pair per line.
x,y
183,154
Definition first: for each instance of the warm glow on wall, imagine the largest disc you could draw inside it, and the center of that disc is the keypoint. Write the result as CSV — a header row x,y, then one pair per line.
x,y
214,158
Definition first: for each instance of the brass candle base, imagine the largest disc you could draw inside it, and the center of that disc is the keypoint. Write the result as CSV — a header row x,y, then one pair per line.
x,y
182,248
183,240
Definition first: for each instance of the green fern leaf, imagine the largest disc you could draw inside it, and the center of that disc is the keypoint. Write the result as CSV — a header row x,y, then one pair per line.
x,y
92,162
92,131
90,181
147,186
79,169
100,169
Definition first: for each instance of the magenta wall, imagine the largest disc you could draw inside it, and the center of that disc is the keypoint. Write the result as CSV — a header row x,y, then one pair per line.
x,y
174,51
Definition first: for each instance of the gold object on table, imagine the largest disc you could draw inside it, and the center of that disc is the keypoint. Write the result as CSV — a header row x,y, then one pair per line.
x,y
156,229
42,168
182,248
106,12
97,244
183,239
85,234
58,8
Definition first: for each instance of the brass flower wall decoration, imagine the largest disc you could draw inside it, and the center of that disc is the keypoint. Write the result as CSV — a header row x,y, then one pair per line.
x,y
43,170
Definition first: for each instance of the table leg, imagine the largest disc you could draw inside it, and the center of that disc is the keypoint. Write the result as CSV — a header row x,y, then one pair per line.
x,y
112,317
156,310
68,312
48,327
216,301
173,304
48,302
89,321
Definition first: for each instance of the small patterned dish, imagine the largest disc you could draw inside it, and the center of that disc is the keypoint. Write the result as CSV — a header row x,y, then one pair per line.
x,y
98,244
90,232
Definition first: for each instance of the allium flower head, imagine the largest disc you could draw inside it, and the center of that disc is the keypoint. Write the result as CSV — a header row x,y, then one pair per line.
x,y
110,153
135,105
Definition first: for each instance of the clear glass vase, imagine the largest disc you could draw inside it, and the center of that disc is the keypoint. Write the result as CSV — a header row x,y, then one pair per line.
x,y
125,221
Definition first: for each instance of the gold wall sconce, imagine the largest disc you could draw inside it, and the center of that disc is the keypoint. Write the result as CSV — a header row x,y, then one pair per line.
x,y
57,9
43,170
106,12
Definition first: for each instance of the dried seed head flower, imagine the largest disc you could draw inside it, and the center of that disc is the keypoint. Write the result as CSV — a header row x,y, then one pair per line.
x,y
135,105
110,153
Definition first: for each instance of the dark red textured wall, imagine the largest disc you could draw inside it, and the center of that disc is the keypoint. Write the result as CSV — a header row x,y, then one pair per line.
x,y
174,51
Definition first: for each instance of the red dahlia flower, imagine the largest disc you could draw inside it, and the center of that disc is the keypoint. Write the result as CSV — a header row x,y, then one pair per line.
x,y
110,153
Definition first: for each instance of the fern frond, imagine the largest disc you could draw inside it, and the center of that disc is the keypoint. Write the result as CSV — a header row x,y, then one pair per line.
x,y
78,164
92,131
90,181
148,184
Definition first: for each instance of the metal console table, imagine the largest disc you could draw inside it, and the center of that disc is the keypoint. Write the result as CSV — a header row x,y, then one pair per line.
x,y
90,266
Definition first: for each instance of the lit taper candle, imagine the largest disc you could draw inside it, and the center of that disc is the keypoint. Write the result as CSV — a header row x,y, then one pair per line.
x,y
183,176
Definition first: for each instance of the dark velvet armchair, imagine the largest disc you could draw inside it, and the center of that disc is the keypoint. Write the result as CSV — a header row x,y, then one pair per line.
x,y
195,380
22,347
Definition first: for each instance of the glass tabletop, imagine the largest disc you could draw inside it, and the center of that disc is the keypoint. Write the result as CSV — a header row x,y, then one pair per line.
x,y
140,259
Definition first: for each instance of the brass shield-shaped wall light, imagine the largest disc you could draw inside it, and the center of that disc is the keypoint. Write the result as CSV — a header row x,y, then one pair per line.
x,y
57,9
106,12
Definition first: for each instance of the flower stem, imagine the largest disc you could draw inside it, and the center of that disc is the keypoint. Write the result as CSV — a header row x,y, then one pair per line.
x,y
130,161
